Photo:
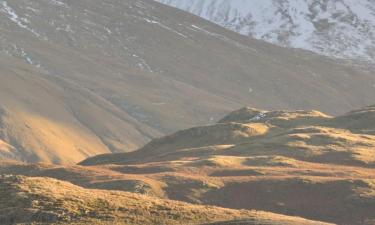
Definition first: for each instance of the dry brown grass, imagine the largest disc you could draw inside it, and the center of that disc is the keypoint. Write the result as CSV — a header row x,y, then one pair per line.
x,y
295,163
45,200
328,161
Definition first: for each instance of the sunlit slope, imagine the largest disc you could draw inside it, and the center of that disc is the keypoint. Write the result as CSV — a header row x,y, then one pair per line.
x,y
303,135
45,200
303,163
60,123
6,150
168,69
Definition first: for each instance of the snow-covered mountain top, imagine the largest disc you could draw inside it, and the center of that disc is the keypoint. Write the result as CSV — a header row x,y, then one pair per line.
x,y
339,28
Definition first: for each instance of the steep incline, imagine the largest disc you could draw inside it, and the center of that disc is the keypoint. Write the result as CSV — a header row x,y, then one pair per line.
x,y
121,72
50,120
342,28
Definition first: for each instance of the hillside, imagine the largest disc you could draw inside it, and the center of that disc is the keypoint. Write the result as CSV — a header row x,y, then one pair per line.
x,y
53,120
296,163
81,78
45,200
302,135
301,163
341,28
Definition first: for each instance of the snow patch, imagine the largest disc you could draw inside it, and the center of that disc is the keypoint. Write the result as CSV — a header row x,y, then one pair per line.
x,y
340,28
258,117
13,16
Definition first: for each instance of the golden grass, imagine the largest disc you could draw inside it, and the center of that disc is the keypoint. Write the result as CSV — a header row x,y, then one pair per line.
x,y
45,200
300,153
298,163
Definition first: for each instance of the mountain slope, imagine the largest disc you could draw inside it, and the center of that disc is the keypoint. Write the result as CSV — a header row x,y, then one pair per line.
x,y
45,121
120,73
301,163
297,163
302,135
44,200
341,28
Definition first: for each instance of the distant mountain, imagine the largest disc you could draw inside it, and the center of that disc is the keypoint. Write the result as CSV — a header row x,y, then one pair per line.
x,y
81,78
339,28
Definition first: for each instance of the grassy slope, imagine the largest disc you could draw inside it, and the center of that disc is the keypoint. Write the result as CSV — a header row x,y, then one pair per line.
x,y
109,75
45,200
300,163
59,123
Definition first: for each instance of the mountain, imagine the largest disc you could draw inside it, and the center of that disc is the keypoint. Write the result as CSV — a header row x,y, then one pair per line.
x,y
297,163
340,28
81,78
